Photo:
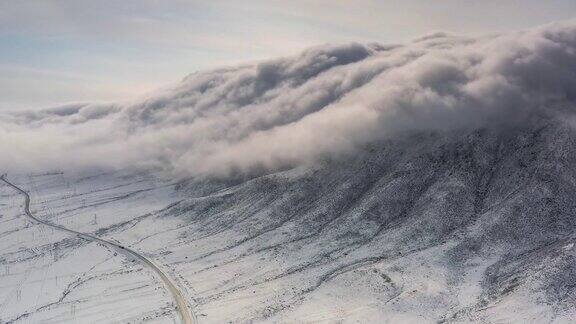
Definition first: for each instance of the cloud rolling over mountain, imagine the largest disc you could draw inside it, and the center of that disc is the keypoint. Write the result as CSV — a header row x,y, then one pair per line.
x,y
328,100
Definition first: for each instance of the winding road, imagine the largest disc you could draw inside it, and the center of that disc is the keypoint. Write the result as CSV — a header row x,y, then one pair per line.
x,y
186,315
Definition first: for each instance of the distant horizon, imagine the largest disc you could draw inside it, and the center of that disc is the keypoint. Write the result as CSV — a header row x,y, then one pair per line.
x,y
61,52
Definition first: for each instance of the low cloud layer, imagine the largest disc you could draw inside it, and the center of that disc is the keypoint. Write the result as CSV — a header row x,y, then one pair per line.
x,y
284,112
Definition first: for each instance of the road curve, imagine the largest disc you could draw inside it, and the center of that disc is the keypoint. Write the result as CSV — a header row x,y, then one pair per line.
x,y
186,315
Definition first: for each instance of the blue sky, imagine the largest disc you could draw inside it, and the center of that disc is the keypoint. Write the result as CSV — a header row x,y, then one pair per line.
x,y
60,51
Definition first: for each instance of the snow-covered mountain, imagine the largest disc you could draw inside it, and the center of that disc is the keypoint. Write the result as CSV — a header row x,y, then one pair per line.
x,y
428,182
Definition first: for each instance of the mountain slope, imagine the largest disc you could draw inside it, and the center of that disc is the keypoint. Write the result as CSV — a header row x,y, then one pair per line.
x,y
434,225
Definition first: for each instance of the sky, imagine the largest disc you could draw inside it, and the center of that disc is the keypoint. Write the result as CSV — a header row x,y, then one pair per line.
x,y
62,51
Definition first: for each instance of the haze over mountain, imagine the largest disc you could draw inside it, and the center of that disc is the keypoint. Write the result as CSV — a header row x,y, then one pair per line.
x,y
285,112
427,182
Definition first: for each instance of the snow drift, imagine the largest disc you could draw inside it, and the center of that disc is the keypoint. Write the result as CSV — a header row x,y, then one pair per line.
x,y
328,100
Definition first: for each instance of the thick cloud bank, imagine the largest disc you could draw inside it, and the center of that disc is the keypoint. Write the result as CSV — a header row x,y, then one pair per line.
x,y
283,112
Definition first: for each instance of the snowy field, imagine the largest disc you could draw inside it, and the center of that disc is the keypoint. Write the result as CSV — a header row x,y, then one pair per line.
x,y
51,277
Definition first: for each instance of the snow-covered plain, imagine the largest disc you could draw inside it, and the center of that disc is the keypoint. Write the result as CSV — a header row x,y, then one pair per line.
x,y
51,276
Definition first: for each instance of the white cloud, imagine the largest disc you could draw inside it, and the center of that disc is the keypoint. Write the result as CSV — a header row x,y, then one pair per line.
x,y
327,100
